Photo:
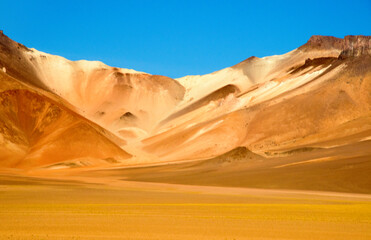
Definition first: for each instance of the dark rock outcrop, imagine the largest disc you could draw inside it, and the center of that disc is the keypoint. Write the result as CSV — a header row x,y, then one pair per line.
x,y
350,46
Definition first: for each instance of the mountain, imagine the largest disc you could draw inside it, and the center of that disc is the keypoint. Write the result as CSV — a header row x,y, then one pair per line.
x,y
57,113
315,96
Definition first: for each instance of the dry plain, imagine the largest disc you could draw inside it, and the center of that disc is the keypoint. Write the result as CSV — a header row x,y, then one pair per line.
x,y
33,208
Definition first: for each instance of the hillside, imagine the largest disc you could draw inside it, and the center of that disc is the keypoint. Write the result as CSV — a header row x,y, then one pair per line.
x,y
296,116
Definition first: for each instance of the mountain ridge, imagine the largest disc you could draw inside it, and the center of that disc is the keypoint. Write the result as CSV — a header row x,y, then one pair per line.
x,y
267,105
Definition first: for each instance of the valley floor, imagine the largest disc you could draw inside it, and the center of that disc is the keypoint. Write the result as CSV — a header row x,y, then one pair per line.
x,y
32,208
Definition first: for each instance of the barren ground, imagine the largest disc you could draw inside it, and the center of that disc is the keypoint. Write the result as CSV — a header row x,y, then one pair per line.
x,y
32,208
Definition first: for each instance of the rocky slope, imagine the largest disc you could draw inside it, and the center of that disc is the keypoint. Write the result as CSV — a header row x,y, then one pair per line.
x,y
39,131
316,96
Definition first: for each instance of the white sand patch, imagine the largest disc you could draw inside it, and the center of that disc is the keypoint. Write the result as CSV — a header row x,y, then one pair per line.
x,y
317,160
204,130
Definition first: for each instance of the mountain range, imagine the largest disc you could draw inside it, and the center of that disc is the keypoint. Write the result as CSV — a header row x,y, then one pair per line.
x,y
299,120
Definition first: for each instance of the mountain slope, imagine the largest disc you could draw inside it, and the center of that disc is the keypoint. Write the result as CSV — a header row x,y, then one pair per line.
x,y
342,169
38,131
316,96
124,101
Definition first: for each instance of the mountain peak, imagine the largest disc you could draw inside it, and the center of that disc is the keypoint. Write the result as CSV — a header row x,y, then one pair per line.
x,y
351,45
319,41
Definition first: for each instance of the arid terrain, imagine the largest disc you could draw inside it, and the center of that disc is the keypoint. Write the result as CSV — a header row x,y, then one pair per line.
x,y
39,209
271,148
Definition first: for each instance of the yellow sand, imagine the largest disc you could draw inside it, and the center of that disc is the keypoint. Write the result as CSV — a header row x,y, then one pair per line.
x,y
60,210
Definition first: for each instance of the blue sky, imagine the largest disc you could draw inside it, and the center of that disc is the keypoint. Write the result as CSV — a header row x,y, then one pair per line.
x,y
177,38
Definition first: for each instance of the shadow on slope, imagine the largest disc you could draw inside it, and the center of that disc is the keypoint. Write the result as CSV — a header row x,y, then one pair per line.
x,y
343,169
37,131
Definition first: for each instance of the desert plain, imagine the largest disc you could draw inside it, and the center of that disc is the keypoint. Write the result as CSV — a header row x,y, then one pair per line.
x,y
33,208
277,147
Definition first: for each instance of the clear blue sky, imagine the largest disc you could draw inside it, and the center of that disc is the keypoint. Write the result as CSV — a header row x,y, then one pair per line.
x,y
177,38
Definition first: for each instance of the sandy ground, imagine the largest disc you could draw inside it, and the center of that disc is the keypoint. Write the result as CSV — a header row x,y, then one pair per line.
x,y
339,169
32,208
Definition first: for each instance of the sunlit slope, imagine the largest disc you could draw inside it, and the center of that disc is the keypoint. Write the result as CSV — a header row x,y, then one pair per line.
x,y
316,95
127,102
37,131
